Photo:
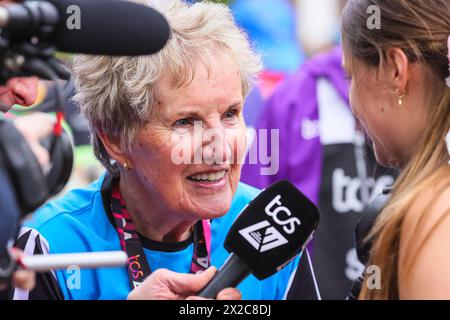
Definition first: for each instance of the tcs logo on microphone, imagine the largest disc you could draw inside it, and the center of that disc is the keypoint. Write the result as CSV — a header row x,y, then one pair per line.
x,y
278,212
263,236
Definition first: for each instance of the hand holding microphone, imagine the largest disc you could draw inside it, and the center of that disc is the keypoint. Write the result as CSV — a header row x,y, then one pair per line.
x,y
275,227
164,284
23,279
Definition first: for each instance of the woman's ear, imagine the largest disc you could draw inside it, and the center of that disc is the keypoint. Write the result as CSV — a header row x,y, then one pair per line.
x,y
112,146
397,69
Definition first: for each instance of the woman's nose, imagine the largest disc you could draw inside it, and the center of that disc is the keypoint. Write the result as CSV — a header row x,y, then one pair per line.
x,y
215,149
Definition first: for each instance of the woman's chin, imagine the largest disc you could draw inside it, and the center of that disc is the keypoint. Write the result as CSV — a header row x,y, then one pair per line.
x,y
384,158
210,209
209,200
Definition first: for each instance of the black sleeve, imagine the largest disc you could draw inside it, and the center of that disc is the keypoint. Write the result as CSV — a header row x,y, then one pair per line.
x,y
304,286
9,208
47,287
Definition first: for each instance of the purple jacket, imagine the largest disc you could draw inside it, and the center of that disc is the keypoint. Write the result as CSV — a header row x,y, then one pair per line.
x,y
295,99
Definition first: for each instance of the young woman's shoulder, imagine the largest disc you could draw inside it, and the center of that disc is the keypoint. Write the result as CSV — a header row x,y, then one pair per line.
x,y
424,258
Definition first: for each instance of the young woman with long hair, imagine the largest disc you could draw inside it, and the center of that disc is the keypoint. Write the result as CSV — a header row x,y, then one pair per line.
x,y
400,95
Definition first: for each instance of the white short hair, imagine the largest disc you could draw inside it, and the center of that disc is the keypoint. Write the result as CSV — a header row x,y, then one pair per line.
x,y
116,94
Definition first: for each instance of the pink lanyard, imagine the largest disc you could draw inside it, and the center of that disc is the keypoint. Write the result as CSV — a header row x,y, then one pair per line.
x,y
137,266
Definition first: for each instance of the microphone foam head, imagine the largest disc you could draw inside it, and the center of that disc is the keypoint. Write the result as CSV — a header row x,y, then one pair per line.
x,y
273,229
109,27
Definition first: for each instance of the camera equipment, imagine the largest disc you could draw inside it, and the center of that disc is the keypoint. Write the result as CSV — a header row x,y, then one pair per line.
x,y
30,33
362,231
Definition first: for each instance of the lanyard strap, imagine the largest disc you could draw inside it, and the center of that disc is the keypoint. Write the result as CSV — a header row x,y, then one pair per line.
x,y
137,265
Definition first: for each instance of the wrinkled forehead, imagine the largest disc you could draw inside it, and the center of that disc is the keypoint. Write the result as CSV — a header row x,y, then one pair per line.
x,y
214,83
182,72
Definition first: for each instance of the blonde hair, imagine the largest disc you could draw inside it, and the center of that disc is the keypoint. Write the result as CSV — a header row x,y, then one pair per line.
x,y
116,94
420,28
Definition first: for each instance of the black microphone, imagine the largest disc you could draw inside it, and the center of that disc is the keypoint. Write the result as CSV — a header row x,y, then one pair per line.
x,y
274,227
362,230
100,27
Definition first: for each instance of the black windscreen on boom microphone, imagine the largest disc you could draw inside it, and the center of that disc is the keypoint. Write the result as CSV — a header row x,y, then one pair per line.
x,y
267,235
100,27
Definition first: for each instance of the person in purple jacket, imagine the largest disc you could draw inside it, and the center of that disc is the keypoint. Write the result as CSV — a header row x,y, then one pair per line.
x,y
322,151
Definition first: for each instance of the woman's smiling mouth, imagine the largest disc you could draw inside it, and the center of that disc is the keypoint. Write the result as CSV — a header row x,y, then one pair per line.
x,y
212,176
209,178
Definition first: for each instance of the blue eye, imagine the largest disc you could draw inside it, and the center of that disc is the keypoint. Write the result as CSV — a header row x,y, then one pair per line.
x,y
183,122
230,114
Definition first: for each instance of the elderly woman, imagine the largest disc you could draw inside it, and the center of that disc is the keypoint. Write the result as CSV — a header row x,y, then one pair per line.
x,y
168,198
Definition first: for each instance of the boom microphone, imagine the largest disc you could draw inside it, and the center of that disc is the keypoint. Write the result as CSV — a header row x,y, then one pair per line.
x,y
100,27
275,227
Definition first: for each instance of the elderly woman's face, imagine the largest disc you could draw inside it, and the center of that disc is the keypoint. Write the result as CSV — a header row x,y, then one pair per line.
x,y
186,157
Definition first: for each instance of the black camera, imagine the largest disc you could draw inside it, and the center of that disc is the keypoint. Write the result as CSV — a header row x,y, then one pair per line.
x,y
24,51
